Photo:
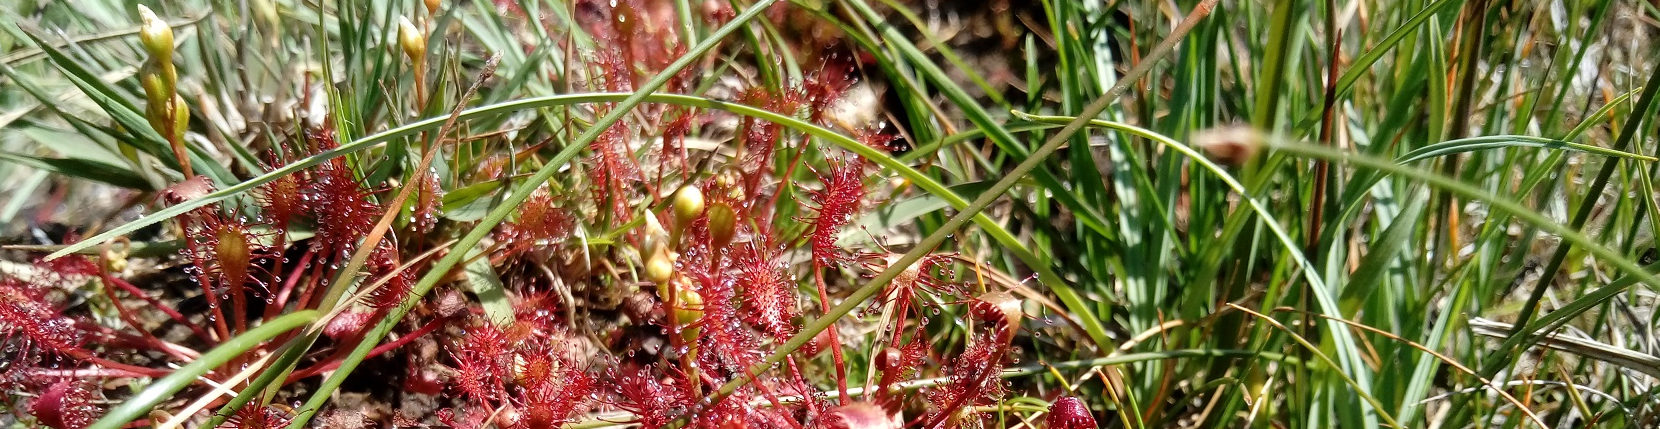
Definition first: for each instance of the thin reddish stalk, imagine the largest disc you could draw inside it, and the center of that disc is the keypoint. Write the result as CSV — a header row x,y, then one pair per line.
x,y
795,371
121,310
216,311
772,397
113,337
278,245
789,173
310,286
88,357
835,342
239,305
334,361
171,313
281,298
80,373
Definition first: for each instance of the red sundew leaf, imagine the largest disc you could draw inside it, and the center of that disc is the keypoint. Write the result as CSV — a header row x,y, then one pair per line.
x,y
825,87
898,364
1068,412
31,327
281,200
68,267
614,70
973,374
642,27
225,249
536,313
761,137
840,198
769,298
553,388
470,417
859,415
391,293
65,404
653,401
726,342
539,219
341,208
877,140
674,141
251,417
695,255
347,324
483,359
614,170
932,274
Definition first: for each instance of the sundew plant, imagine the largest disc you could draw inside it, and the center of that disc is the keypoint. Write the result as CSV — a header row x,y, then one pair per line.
x,y
846,214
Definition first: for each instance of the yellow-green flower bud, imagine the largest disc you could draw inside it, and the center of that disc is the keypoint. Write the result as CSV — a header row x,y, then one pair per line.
x,y
723,224
157,91
181,118
688,204
688,305
412,40
659,268
155,35
688,308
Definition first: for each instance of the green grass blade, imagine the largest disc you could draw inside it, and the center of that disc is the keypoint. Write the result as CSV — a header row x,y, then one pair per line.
x,y
1454,147
163,389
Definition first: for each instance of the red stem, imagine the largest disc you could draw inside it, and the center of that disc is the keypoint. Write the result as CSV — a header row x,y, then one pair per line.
x,y
217,312
334,361
806,397
239,304
310,286
281,298
83,355
171,313
117,338
789,173
835,342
